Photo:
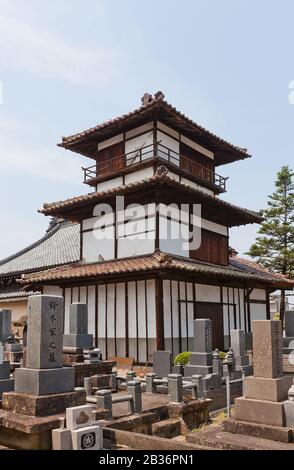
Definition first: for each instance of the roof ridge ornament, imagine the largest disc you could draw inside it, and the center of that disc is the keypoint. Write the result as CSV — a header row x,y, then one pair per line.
x,y
146,99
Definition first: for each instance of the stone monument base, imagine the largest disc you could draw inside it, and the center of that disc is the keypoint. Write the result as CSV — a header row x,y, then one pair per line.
x,y
260,411
47,405
44,381
82,370
260,388
18,431
271,433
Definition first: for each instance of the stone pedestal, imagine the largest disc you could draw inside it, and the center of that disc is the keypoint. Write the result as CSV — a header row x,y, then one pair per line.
x,y
44,381
6,383
82,370
265,391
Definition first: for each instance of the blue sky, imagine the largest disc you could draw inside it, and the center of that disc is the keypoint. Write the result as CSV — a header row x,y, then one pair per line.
x,y
68,65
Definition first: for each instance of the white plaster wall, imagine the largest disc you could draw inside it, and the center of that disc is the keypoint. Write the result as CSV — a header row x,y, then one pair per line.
x,y
151,308
177,246
171,144
110,319
213,227
139,175
168,130
197,147
83,294
96,250
167,309
257,312
67,302
139,130
109,184
206,293
52,290
101,318
91,309
120,319
138,143
258,294
194,185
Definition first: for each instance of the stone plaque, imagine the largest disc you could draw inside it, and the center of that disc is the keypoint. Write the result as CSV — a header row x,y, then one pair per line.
x,y
45,332
88,438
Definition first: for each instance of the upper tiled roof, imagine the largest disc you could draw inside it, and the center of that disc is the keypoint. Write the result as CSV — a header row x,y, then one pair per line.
x,y
86,142
155,262
244,216
61,245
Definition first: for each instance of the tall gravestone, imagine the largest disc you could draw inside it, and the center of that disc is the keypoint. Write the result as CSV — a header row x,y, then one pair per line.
x,y
5,324
265,392
78,336
201,359
239,349
162,363
44,373
288,340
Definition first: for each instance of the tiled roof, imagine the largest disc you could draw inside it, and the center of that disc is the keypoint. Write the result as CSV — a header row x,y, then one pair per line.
x,y
17,294
156,103
158,179
158,261
61,245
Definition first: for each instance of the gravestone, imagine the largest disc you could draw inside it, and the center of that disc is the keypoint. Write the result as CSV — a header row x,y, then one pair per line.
x,y
265,392
241,359
288,340
6,383
5,324
201,359
162,363
44,373
78,336
78,435
289,323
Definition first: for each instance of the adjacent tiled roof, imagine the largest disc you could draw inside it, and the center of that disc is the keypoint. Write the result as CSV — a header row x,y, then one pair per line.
x,y
59,246
60,207
17,294
155,262
159,105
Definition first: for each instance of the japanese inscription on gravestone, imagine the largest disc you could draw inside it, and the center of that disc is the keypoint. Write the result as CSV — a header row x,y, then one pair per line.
x,y
45,333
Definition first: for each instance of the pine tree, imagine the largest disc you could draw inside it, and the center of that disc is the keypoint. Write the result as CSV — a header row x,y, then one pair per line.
x,y
274,249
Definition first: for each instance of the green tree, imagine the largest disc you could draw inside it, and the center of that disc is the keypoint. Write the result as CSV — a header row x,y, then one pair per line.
x,y
274,248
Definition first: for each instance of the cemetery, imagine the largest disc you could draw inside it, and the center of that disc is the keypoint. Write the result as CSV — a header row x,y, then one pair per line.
x,y
42,407
131,334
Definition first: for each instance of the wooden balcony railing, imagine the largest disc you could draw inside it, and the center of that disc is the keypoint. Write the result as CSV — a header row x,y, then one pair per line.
x,y
155,151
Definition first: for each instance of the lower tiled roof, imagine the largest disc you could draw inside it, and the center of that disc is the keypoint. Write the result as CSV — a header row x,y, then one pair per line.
x,y
60,245
17,295
238,269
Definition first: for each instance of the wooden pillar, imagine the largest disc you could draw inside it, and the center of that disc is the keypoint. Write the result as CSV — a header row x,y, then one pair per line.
x,y
159,314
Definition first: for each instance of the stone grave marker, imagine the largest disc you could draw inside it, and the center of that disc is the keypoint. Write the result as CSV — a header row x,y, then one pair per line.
x,y
79,416
44,373
90,438
5,324
78,336
265,392
240,357
162,363
6,383
201,361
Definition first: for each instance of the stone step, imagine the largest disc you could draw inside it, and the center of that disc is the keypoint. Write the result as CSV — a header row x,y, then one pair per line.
x,y
216,438
167,428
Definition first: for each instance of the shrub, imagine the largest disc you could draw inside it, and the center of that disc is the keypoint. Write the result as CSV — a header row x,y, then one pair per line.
x,y
222,355
182,359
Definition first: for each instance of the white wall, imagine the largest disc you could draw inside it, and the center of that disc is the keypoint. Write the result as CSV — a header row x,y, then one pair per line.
x,y
137,143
